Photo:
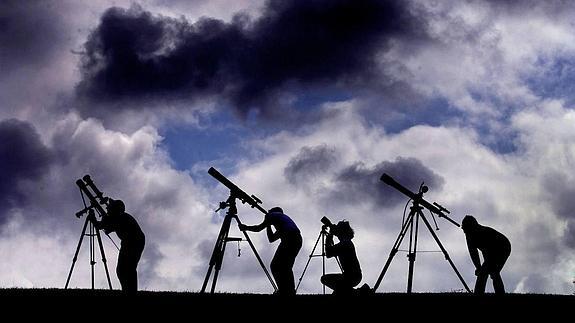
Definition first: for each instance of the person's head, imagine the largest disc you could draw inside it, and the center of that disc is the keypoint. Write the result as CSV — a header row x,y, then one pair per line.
x,y
342,230
469,223
116,207
276,209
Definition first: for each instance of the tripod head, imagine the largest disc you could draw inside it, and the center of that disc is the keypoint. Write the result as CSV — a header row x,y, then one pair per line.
x,y
418,198
95,196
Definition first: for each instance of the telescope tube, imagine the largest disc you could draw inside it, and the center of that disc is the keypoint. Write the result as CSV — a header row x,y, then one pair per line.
x,y
415,197
236,191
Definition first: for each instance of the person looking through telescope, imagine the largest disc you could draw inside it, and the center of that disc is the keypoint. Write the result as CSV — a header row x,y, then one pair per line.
x,y
132,246
495,248
284,258
342,284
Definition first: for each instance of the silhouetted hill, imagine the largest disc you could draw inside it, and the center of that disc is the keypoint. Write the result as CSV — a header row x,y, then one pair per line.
x,y
104,304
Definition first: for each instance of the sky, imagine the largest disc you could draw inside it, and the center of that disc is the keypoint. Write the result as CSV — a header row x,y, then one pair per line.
x,y
304,104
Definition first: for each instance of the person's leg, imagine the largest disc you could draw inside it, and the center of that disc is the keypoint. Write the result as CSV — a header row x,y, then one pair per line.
x,y
282,265
276,269
496,264
498,286
130,257
121,269
481,281
292,250
134,271
332,281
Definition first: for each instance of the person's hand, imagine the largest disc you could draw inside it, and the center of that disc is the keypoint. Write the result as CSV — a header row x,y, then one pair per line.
x,y
478,271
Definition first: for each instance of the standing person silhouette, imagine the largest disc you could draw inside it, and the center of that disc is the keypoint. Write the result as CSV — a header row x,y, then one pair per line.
x,y
342,284
132,245
495,248
282,263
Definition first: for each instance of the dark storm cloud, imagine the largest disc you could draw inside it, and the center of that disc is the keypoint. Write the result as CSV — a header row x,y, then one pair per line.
x,y
29,32
360,183
133,55
559,193
23,157
309,162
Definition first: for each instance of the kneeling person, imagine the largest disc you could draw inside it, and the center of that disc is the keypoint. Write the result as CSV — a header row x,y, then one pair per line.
x,y
345,251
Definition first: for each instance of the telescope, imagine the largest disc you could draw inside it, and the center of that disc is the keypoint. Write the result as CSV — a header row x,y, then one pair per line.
x,y
408,225
326,222
223,237
236,192
96,197
96,200
418,198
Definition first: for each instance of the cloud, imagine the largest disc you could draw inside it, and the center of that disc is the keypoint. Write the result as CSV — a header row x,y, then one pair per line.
x,y
560,192
135,56
24,158
30,33
359,182
310,162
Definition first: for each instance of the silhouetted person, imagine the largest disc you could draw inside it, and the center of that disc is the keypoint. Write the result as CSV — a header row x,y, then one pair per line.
x,y
342,284
287,231
132,245
495,248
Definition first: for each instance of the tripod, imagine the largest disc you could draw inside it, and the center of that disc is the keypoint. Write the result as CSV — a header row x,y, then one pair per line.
x,y
322,234
93,232
415,214
218,253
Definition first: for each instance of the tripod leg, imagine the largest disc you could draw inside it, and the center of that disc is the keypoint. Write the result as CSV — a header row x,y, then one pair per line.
x,y
395,248
260,260
412,253
220,257
444,252
309,259
76,253
92,253
215,259
103,258
323,259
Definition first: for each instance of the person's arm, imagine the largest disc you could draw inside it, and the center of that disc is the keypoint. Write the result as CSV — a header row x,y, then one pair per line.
x,y
331,250
254,228
272,236
474,253
104,224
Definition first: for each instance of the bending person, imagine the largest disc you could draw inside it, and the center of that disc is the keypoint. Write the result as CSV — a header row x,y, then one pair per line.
x,y
282,263
494,247
132,245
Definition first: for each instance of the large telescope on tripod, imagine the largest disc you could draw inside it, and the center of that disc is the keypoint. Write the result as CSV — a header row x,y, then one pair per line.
x,y
434,208
411,225
232,213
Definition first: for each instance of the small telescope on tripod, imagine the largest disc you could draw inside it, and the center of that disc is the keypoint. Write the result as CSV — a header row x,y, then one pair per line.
x,y
411,224
326,229
232,213
96,200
